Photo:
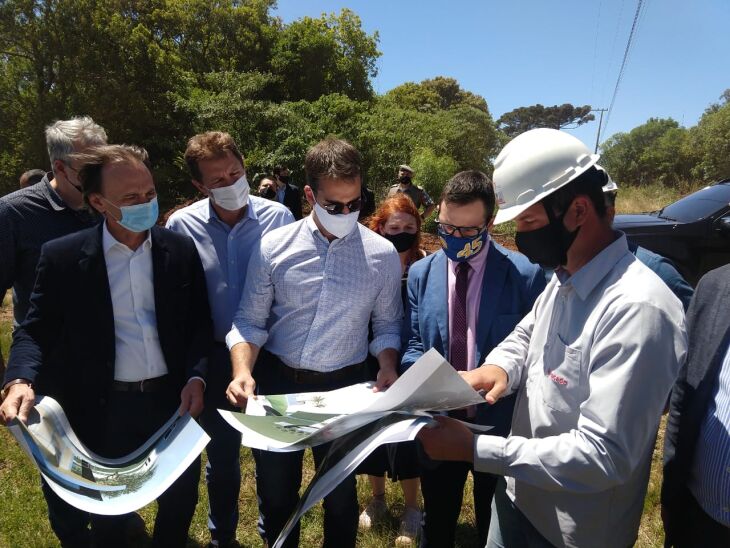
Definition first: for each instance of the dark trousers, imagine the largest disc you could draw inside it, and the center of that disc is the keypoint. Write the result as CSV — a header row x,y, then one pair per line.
x,y
223,471
442,486
69,524
279,475
697,528
132,418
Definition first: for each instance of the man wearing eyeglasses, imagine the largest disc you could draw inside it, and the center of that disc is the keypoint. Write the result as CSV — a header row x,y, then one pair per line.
x,y
463,300
310,291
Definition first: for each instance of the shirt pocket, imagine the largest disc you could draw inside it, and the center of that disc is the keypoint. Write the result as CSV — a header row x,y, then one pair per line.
x,y
561,378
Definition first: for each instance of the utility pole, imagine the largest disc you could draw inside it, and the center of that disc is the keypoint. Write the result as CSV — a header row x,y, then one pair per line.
x,y
600,123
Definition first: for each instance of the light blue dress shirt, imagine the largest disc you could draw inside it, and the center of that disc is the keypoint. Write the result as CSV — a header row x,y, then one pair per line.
x,y
710,476
309,301
225,251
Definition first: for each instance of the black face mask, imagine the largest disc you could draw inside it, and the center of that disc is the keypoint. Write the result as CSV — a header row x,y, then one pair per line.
x,y
547,246
268,193
404,179
284,178
402,241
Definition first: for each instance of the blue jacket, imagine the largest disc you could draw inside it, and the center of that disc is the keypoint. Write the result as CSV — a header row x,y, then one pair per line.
x,y
511,284
664,268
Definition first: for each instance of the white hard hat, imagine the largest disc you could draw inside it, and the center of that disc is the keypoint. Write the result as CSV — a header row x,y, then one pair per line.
x,y
534,165
611,185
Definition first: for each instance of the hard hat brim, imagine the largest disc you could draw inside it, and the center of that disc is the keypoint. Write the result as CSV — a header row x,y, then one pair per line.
x,y
508,214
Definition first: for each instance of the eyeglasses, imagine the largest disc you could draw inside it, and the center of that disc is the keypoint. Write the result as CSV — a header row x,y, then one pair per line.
x,y
336,208
464,231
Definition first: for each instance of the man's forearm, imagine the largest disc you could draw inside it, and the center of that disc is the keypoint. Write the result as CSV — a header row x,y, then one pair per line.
x,y
243,358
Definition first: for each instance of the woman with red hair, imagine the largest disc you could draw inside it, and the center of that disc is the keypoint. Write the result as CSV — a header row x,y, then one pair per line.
x,y
398,221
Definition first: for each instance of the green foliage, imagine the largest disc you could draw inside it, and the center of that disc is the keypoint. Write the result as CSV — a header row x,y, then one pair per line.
x,y
331,54
563,116
711,139
432,170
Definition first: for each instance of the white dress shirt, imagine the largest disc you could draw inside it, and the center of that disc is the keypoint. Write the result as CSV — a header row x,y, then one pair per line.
x,y
593,364
138,352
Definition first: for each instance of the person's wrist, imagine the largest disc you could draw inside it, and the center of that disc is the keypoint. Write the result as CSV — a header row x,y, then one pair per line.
x,y
14,382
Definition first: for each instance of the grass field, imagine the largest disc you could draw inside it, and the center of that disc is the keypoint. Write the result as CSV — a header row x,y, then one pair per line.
x,y
23,521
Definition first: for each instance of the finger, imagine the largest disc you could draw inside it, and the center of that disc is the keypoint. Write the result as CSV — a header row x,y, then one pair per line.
x,y
196,406
496,392
26,404
184,403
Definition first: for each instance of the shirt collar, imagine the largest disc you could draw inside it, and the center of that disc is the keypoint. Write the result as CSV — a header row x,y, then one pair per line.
x,y
50,194
476,262
109,241
589,276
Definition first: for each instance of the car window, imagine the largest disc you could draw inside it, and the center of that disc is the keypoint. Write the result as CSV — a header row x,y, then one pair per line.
x,y
698,205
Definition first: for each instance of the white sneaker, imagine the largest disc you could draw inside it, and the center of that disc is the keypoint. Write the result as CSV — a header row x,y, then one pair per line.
x,y
410,527
374,511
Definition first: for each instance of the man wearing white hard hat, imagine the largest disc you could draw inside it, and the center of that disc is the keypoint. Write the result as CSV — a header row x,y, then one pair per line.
x,y
592,364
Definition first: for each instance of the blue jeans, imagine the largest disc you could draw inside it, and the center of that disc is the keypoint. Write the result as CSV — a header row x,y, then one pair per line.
x,y
223,471
279,475
509,527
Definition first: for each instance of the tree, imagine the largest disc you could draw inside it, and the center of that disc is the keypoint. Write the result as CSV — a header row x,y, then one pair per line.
x,y
711,139
331,54
645,153
563,116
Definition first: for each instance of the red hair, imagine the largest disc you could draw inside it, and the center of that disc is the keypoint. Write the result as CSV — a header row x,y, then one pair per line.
x,y
400,203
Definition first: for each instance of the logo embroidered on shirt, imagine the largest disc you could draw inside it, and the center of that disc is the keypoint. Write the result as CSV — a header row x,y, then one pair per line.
x,y
557,379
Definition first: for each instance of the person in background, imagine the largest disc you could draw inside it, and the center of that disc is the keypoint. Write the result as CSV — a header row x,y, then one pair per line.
x,y
267,187
226,226
398,221
287,193
31,177
368,207
462,301
661,266
419,196
29,218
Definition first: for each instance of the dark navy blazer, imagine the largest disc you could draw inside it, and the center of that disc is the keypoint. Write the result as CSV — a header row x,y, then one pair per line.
x,y
66,345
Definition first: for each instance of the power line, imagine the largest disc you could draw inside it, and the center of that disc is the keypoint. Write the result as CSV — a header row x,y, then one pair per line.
x,y
634,26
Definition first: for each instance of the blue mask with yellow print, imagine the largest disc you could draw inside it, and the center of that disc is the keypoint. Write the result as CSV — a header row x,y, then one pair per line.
x,y
462,249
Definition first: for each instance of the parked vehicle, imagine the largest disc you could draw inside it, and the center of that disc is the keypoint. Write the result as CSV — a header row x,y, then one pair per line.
x,y
693,232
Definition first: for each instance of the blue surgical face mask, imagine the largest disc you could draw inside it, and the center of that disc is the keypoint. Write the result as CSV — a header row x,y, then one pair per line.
x,y
140,217
462,249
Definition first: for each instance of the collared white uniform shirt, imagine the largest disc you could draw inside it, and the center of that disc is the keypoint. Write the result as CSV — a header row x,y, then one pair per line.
x,y
593,364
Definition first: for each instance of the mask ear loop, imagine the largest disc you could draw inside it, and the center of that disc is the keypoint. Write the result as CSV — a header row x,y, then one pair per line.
x,y
115,205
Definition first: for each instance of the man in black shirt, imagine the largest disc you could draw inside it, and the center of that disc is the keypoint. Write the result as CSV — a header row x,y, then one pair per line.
x,y
29,218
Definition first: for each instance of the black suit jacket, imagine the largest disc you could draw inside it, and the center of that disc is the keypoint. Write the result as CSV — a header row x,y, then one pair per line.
x,y
293,200
66,345
708,328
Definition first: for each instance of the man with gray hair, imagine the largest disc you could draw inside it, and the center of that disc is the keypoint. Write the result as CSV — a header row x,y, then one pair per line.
x,y
29,218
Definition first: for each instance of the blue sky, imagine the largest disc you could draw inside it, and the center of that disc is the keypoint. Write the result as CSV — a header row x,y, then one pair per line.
x,y
522,52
